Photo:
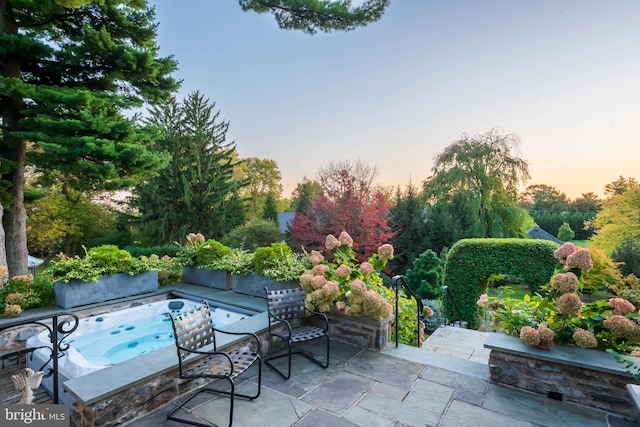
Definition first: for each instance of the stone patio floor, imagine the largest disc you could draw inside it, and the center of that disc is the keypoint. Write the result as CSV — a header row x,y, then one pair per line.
x,y
444,383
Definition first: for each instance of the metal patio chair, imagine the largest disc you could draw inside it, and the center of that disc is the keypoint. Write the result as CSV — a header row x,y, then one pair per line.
x,y
287,306
193,331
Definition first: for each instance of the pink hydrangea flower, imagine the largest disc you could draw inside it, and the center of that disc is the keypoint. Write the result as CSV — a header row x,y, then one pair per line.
x,y
530,336
621,306
565,282
427,312
343,272
316,257
345,239
331,242
564,251
569,304
318,282
579,259
386,309
584,338
546,337
319,269
483,300
621,326
386,251
366,268
341,305
306,279
358,287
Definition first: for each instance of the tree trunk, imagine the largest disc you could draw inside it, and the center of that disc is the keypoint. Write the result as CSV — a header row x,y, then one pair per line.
x,y
3,252
15,149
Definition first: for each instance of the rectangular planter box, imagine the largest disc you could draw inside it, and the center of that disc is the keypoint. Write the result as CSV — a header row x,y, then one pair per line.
x,y
587,377
252,284
77,293
359,330
206,277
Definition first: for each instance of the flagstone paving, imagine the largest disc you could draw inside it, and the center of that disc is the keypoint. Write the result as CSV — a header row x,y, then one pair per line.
x,y
443,384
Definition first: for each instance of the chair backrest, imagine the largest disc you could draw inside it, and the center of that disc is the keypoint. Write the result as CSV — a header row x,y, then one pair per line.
x,y
193,329
286,303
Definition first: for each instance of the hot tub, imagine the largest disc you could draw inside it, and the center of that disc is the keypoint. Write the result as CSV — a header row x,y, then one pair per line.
x,y
111,338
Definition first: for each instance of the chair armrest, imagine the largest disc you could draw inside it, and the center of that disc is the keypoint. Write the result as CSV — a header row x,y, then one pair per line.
x,y
277,319
320,315
247,334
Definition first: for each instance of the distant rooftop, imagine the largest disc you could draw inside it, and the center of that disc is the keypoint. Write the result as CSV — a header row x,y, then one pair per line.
x,y
539,233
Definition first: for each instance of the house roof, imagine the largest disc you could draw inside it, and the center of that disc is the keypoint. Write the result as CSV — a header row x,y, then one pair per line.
x,y
285,219
539,233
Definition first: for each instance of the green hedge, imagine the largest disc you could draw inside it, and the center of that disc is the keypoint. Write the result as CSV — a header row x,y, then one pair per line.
x,y
471,262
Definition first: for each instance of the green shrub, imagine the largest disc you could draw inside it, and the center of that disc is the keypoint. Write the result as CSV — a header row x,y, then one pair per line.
x,y
101,261
266,257
138,251
36,292
254,234
431,323
425,275
627,254
209,252
565,233
471,262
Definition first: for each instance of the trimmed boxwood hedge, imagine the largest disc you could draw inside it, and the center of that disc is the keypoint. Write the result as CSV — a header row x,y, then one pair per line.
x,y
471,262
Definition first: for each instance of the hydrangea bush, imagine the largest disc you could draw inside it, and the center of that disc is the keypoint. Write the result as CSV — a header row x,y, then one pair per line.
x,y
357,289
558,315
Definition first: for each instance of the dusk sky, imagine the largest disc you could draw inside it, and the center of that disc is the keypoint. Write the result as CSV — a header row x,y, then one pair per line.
x,y
563,75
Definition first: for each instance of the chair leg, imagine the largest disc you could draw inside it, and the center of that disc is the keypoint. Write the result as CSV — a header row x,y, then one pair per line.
x,y
288,355
231,393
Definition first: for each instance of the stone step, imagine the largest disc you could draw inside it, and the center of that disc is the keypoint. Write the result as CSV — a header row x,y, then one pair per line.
x,y
440,359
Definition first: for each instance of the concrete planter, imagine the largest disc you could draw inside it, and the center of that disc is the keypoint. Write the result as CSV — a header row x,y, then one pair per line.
x,y
208,277
252,284
77,293
587,377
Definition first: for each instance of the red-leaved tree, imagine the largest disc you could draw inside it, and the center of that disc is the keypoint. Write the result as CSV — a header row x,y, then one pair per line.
x,y
349,203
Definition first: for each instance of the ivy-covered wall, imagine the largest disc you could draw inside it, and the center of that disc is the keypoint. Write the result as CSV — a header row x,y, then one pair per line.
x,y
470,262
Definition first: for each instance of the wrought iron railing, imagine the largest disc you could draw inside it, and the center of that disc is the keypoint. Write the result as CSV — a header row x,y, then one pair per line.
x,y
61,325
395,281
448,302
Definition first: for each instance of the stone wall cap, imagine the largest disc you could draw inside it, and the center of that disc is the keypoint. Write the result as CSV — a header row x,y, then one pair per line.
x,y
585,358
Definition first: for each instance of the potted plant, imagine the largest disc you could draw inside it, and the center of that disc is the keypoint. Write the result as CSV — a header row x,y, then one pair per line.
x,y
350,290
106,272
201,262
275,267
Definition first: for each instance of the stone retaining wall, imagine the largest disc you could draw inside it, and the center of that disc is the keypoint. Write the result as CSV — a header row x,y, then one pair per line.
x,y
586,377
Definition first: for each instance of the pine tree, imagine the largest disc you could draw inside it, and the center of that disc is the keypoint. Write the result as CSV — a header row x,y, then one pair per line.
x,y
69,70
188,195
408,222
270,210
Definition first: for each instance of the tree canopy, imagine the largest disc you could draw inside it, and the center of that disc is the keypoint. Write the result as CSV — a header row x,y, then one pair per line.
x,y
69,71
312,16
189,194
485,169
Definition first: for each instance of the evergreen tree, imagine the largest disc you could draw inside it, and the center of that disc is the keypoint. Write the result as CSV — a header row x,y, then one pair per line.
x,y
233,213
407,219
68,71
270,210
311,16
189,194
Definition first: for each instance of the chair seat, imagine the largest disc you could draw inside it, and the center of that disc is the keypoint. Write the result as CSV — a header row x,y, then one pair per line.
x,y
304,333
217,366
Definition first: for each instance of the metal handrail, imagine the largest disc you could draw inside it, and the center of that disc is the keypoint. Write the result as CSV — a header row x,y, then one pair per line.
x,y
446,295
62,325
420,306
